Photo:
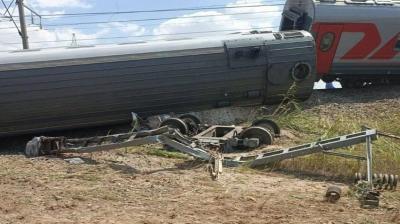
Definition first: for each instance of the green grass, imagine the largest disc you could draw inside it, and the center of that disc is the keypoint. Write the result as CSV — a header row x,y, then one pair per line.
x,y
313,124
167,154
151,151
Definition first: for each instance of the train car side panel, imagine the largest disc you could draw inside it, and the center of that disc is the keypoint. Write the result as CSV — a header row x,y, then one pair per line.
x,y
61,89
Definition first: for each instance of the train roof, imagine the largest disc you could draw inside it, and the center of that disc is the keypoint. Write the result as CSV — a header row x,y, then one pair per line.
x,y
344,11
115,50
65,53
360,2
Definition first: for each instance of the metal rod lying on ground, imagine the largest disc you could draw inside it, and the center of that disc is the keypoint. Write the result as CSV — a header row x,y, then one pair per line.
x,y
307,149
54,145
194,147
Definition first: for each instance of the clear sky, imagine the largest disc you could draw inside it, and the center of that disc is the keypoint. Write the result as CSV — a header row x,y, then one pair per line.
x,y
58,31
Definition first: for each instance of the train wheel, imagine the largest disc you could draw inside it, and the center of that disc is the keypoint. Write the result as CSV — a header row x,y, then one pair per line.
x,y
192,122
264,136
268,124
176,123
190,117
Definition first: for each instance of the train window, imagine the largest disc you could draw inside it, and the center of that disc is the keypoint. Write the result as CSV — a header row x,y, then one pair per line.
x,y
327,41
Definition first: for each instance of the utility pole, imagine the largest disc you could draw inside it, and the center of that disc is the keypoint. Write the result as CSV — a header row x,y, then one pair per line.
x,y
23,32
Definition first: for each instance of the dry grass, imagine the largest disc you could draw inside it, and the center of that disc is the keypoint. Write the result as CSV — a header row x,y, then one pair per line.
x,y
329,120
156,150
139,185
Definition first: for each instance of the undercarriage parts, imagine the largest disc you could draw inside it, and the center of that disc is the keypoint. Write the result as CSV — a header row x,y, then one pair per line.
x,y
307,149
211,143
180,133
40,146
268,124
176,123
370,199
333,194
262,134
225,138
380,181
367,195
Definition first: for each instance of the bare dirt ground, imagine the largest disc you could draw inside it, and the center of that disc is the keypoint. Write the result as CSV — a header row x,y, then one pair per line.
x,y
132,186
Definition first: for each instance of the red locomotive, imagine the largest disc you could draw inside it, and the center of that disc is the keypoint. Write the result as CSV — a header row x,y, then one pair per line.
x,y
358,41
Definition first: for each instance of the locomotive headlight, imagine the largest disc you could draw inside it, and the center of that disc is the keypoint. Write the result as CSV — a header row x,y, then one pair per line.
x,y
301,71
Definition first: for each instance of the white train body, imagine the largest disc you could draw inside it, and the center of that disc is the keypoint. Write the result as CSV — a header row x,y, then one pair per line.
x,y
356,39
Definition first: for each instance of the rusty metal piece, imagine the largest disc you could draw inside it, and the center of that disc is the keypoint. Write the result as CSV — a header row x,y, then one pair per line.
x,y
381,183
390,181
385,181
370,199
375,180
234,143
357,177
225,136
215,166
333,194
395,181
39,146
265,136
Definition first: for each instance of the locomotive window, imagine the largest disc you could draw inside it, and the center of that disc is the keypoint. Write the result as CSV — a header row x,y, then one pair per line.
x,y
327,42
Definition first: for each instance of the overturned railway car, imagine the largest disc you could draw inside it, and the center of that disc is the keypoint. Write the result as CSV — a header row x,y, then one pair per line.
x,y
53,89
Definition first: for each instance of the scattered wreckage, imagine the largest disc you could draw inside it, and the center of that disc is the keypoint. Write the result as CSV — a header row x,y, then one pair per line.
x,y
214,143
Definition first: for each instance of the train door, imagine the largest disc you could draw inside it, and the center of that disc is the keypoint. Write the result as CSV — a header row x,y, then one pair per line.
x,y
327,37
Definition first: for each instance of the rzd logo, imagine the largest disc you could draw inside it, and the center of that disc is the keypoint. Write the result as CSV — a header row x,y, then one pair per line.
x,y
367,46
369,43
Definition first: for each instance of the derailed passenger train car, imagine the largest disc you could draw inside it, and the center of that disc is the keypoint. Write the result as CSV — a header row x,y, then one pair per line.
x,y
53,89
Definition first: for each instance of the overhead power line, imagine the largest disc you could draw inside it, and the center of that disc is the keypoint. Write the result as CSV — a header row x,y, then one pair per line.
x,y
10,16
156,19
22,29
151,35
152,25
161,10
150,19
